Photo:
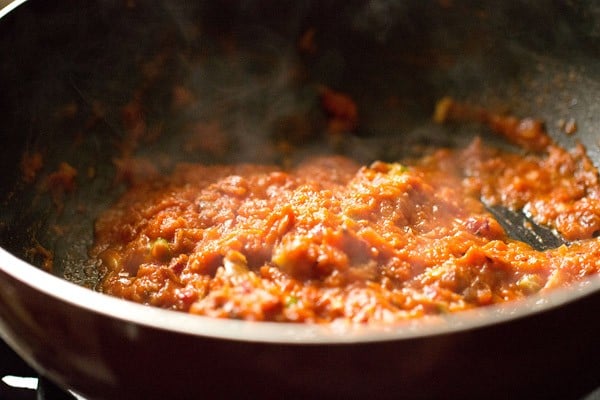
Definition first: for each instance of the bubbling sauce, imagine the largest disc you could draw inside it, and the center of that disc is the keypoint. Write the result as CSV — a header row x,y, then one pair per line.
x,y
330,239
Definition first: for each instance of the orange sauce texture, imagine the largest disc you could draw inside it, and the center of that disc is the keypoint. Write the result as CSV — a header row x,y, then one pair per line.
x,y
330,239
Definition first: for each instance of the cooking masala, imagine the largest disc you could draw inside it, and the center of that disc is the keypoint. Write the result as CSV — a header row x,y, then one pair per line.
x,y
331,239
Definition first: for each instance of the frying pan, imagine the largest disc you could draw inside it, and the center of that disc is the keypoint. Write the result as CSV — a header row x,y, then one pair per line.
x,y
69,68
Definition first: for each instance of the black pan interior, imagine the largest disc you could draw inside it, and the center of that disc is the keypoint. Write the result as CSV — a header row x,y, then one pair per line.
x,y
70,67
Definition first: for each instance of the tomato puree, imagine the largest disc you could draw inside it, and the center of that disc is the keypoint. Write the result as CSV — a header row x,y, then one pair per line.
x,y
330,239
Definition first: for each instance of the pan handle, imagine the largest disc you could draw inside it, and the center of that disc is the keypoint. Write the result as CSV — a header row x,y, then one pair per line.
x,y
7,6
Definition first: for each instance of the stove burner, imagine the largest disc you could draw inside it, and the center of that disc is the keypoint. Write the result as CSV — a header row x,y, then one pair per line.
x,y
18,381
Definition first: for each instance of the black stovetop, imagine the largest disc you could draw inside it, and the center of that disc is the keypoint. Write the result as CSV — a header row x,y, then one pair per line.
x,y
18,381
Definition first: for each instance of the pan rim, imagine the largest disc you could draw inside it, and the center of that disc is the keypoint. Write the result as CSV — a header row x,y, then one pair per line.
x,y
339,332
8,6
